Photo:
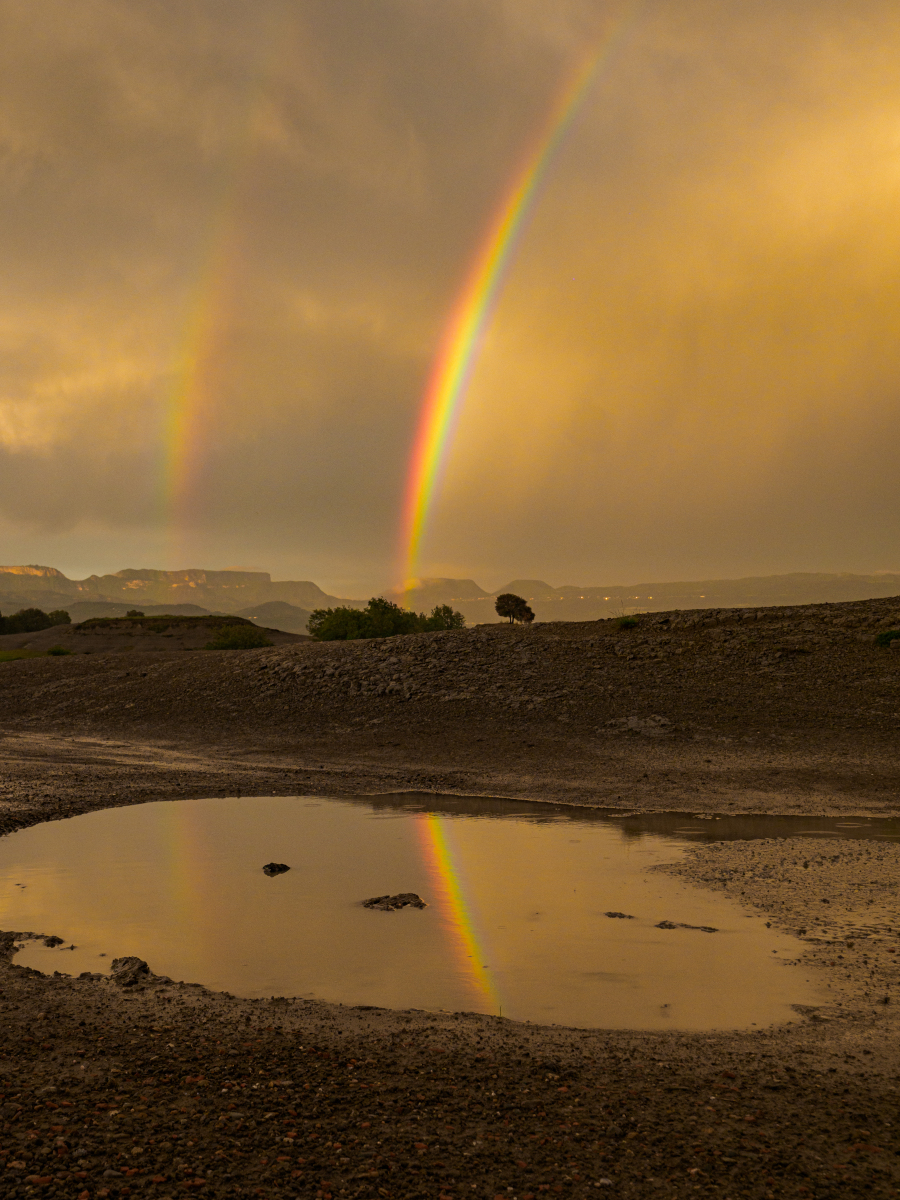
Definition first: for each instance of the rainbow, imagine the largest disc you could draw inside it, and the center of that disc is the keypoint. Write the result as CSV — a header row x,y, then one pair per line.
x,y
190,395
447,883
464,332
194,384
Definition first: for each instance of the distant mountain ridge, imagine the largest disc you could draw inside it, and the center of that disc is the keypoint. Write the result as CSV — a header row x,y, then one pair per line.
x,y
571,603
286,604
222,591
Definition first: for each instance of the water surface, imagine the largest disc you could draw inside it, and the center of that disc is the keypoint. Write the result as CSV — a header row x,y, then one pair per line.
x,y
516,920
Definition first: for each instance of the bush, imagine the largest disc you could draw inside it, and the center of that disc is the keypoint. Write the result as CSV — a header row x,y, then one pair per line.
x,y
134,612
380,618
384,618
337,624
32,620
444,617
626,622
885,639
239,637
58,650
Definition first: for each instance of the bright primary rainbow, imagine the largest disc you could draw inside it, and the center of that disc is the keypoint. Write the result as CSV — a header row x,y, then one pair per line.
x,y
464,332
457,911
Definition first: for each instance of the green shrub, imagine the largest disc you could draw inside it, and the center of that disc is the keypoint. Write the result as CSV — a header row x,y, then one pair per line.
x,y
889,635
338,624
626,622
32,620
380,618
58,650
238,637
443,617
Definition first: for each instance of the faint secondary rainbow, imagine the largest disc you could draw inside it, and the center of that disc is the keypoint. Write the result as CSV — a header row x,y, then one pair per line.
x,y
457,911
189,397
464,332
195,381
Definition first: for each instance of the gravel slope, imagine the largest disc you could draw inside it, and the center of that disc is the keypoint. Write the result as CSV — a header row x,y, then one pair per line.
x,y
164,1089
772,710
160,1089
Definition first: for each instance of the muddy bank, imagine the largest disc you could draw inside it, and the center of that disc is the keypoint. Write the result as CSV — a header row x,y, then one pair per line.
x,y
842,898
163,1088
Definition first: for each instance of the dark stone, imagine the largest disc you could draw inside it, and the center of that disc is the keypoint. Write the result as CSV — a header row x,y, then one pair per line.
x,y
392,903
53,941
275,868
127,972
681,925
621,916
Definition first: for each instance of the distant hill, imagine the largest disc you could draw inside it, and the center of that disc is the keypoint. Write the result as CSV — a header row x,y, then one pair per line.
x,y
571,603
286,604
87,610
275,614
162,632
217,591
430,592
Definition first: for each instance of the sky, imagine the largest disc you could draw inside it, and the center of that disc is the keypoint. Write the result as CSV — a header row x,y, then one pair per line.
x,y
233,235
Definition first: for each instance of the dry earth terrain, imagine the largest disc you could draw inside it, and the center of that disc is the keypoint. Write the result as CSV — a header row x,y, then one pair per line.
x,y
108,636
141,1086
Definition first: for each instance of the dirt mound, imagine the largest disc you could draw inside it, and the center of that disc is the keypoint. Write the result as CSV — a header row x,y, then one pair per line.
x,y
104,635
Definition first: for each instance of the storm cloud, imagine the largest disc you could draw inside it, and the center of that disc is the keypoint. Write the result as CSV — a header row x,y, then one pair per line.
x,y
233,233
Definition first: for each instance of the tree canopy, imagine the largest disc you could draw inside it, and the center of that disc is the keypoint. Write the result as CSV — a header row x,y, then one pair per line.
x,y
514,608
32,620
380,618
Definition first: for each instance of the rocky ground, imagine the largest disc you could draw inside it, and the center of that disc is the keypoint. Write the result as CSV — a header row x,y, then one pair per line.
x,y
110,636
162,1089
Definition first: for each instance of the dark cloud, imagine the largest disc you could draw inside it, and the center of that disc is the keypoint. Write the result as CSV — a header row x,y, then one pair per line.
x,y
694,367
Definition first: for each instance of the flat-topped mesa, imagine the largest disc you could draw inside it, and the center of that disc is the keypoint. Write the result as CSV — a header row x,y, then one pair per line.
x,y
35,571
213,590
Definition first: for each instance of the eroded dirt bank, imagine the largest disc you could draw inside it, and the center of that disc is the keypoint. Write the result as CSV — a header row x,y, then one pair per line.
x,y
163,1088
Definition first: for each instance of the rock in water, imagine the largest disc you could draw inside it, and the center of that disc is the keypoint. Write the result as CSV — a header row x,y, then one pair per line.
x,y
681,925
127,972
275,868
392,903
621,916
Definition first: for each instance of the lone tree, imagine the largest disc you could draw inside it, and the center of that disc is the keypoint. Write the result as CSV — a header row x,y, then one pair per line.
x,y
514,608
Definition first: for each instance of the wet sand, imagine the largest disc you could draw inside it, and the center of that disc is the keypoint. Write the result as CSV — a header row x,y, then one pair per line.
x,y
165,1085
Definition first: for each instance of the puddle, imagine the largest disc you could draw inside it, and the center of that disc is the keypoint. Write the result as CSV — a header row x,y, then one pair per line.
x,y
516,921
